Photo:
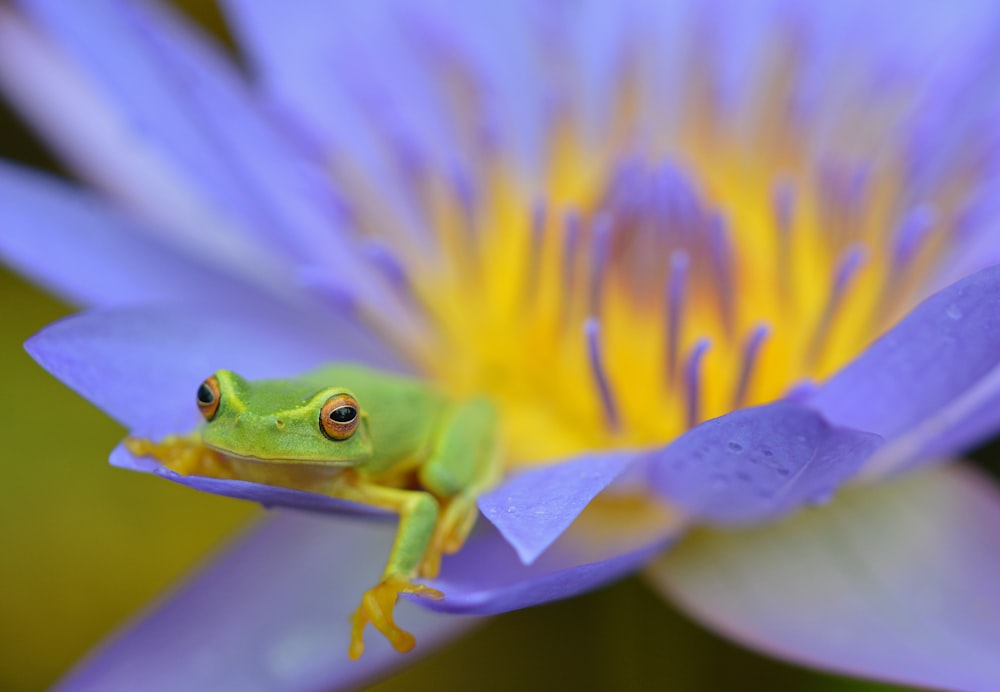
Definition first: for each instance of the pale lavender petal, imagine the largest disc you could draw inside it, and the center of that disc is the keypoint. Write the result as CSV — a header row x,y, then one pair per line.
x,y
285,191
79,247
534,507
104,44
758,463
269,614
385,68
968,419
938,352
106,148
142,364
609,540
898,581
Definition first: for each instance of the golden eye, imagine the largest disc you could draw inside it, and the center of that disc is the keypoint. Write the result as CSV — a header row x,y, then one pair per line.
x,y
338,419
208,397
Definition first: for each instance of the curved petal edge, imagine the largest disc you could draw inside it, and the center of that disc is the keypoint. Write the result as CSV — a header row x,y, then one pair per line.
x,y
898,581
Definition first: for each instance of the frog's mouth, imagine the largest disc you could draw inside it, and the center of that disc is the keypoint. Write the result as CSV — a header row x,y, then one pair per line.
x,y
231,456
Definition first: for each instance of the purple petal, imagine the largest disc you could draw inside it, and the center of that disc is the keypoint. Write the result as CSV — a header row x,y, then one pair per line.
x,y
757,463
385,68
110,151
142,364
79,247
532,509
284,194
970,418
898,581
270,614
267,495
609,540
944,347
105,45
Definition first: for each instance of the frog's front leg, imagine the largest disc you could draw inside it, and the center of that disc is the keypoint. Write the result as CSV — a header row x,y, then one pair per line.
x,y
184,454
418,515
464,463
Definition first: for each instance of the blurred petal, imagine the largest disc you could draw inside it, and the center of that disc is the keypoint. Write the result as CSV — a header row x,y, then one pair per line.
x,y
534,507
899,581
142,364
970,418
104,43
107,148
269,614
757,463
941,350
282,193
610,539
388,71
79,247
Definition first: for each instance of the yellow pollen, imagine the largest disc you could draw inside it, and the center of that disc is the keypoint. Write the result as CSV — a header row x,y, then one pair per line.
x,y
650,281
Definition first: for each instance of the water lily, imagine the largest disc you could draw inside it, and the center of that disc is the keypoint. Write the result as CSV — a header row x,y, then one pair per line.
x,y
729,274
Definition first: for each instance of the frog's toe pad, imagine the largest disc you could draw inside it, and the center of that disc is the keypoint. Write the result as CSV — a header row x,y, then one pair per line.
x,y
377,606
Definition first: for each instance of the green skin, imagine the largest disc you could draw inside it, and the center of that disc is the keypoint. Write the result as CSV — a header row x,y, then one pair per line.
x,y
406,428
414,452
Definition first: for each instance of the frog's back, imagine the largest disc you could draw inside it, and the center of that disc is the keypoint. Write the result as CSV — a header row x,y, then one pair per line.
x,y
402,412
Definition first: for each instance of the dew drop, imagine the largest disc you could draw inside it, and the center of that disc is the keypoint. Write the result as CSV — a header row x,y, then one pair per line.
x,y
735,447
954,312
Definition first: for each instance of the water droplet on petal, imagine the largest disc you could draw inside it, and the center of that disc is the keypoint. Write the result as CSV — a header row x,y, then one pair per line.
x,y
954,312
735,447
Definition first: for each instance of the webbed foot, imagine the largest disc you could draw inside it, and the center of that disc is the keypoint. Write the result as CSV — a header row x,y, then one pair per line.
x,y
376,607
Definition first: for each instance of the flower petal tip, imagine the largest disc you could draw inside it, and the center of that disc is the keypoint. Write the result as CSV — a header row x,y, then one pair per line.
x,y
533,508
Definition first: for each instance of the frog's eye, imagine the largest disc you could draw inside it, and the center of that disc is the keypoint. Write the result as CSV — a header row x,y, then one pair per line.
x,y
338,419
208,397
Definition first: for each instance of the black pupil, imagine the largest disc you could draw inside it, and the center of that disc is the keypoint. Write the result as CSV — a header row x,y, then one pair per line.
x,y
343,414
205,395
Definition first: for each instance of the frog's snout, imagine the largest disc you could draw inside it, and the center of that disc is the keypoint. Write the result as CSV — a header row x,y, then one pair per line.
x,y
258,422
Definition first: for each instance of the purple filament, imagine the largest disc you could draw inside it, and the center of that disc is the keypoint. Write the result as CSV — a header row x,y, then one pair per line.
x,y
592,332
693,381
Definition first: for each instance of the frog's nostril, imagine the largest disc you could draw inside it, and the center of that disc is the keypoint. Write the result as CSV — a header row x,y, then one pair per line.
x,y
279,423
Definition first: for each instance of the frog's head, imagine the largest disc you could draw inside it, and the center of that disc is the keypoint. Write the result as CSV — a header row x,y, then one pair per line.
x,y
283,421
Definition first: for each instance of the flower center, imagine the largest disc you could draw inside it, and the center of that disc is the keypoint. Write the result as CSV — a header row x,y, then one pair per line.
x,y
654,275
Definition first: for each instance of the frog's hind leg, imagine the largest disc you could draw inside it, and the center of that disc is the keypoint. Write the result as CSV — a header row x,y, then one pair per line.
x,y
465,463
418,515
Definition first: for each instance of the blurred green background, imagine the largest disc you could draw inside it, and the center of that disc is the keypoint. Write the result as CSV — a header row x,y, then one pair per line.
x,y
86,545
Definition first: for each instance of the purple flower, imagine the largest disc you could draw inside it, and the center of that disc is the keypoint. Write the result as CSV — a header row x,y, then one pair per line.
x,y
729,275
